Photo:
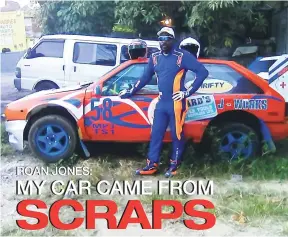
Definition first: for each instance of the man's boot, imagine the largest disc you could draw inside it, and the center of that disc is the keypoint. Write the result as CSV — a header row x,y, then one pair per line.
x,y
172,170
149,169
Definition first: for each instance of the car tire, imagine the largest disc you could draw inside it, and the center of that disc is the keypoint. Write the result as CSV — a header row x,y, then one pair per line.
x,y
232,141
52,138
46,85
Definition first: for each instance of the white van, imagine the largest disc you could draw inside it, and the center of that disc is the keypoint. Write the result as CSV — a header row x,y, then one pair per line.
x,y
57,61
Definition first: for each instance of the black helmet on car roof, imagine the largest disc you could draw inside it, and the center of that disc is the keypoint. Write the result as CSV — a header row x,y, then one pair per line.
x,y
137,49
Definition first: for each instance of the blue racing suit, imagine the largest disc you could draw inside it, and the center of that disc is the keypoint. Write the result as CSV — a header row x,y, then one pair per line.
x,y
170,72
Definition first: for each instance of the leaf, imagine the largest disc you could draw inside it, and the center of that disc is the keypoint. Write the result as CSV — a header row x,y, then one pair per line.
x,y
241,218
228,42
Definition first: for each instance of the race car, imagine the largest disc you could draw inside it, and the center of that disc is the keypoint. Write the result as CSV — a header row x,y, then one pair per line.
x,y
274,70
236,105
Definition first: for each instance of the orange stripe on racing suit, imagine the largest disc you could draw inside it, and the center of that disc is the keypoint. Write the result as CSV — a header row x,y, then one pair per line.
x,y
178,110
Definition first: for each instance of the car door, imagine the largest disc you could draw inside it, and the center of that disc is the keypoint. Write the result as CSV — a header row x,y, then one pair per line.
x,y
223,90
45,62
115,119
90,60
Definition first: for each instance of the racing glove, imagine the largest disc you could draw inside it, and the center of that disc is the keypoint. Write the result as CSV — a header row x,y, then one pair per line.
x,y
126,93
180,95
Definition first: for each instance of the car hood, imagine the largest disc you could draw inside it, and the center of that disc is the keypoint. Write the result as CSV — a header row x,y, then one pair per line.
x,y
55,91
69,95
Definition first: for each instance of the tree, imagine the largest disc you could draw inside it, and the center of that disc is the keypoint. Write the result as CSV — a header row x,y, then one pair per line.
x,y
223,24
77,17
218,24
145,16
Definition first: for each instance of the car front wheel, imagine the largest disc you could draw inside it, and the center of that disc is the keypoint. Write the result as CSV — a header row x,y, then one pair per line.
x,y
52,138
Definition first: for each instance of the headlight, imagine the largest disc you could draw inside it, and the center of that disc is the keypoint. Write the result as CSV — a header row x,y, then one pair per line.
x,y
3,117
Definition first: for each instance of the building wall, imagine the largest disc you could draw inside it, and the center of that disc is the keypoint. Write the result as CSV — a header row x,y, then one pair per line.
x,y
12,31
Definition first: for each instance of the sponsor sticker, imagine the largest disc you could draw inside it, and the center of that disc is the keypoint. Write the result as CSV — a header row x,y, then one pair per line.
x,y
212,86
201,107
251,104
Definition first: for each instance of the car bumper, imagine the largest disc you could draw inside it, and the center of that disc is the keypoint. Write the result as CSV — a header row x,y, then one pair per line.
x,y
15,131
17,83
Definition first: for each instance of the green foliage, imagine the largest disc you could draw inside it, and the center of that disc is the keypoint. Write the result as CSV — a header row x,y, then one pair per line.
x,y
139,14
4,134
77,17
221,21
197,165
123,28
252,204
6,148
146,12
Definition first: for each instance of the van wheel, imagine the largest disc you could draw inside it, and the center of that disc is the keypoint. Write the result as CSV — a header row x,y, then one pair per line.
x,y
233,141
46,85
52,138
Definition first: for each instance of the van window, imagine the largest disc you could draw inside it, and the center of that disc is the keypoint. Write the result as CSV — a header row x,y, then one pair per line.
x,y
50,49
95,54
125,56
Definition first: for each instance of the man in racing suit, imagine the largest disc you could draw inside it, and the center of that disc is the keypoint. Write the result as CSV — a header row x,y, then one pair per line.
x,y
170,66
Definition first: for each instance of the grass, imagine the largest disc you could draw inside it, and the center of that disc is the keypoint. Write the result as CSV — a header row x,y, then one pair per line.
x,y
285,229
273,166
252,203
113,157
6,149
237,204
48,231
119,161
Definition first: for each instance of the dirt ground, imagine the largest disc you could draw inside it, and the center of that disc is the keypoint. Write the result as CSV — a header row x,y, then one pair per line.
x,y
226,224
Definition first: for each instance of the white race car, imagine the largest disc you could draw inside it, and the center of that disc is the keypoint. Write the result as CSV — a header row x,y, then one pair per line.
x,y
274,70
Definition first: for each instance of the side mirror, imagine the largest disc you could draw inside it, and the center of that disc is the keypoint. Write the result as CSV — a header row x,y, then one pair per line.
x,y
29,53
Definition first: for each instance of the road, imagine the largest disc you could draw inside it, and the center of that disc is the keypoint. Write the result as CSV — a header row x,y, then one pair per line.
x,y
8,92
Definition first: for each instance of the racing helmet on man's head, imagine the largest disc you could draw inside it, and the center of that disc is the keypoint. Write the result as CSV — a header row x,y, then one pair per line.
x,y
191,45
137,49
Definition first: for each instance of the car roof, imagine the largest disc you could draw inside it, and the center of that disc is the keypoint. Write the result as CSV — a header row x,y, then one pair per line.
x,y
97,38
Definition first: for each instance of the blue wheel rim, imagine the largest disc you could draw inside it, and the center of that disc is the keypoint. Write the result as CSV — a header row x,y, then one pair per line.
x,y
52,140
235,145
